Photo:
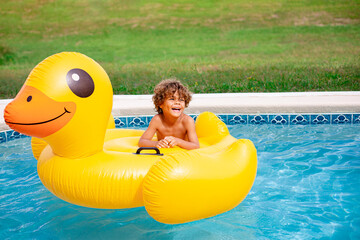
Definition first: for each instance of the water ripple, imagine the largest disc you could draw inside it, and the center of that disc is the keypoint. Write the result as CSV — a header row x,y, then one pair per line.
x,y
306,187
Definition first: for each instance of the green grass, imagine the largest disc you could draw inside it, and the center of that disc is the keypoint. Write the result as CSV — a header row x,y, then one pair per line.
x,y
212,46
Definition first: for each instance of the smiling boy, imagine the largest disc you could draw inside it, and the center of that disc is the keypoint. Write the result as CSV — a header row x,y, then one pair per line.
x,y
171,125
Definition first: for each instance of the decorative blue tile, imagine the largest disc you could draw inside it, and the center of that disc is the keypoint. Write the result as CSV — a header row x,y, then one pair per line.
x,y
230,119
120,122
258,119
148,119
237,119
299,119
341,118
2,137
356,118
320,119
11,135
137,122
223,118
279,119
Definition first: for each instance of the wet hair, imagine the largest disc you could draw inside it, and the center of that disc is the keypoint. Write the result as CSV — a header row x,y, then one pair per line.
x,y
168,88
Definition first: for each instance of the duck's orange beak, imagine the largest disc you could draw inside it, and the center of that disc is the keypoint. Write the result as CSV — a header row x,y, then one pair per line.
x,y
35,114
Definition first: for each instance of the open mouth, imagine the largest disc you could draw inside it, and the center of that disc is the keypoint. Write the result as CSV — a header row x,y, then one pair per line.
x,y
176,109
37,123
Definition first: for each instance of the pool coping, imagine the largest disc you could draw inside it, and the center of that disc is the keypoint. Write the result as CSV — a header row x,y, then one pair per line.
x,y
241,104
249,103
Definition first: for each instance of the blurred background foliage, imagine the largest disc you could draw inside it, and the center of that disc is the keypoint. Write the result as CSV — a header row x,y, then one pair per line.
x,y
212,46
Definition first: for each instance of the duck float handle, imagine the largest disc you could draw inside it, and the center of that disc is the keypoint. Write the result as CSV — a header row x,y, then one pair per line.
x,y
149,148
66,104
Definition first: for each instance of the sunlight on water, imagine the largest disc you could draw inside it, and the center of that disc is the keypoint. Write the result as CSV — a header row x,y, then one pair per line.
x,y
307,186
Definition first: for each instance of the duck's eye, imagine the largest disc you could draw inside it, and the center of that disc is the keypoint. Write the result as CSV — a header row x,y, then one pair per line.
x,y
80,82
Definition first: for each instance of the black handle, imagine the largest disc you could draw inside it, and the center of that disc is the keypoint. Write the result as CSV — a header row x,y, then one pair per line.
x,y
149,148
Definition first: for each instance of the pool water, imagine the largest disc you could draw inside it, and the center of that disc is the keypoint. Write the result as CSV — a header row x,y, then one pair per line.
x,y
307,187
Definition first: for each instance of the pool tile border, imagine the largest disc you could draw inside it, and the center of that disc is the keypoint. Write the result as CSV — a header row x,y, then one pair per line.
x,y
231,119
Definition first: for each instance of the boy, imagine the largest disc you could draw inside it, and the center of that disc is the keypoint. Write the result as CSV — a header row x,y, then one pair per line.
x,y
171,125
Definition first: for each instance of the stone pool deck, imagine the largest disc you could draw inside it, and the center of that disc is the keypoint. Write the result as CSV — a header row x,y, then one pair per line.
x,y
239,103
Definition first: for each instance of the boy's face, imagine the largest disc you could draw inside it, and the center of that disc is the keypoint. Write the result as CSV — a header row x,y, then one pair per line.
x,y
173,105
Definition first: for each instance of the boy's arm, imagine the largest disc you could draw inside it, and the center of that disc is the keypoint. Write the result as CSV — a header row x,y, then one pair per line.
x,y
146,138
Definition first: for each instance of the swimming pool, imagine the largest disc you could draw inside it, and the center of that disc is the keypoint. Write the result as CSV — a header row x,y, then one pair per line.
x,y
306,187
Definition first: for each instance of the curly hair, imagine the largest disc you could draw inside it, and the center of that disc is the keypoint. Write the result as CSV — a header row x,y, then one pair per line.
x,y
167,88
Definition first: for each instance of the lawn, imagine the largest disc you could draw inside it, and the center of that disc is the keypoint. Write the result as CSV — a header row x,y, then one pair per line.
x,y
212,46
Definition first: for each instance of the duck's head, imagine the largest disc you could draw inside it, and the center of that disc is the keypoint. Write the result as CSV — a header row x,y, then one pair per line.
x,y
66,100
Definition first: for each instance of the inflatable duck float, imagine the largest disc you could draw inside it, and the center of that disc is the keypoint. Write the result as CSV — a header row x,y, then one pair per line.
x,y
66,103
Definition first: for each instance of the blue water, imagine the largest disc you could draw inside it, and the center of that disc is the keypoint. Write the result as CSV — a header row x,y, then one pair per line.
x,y
307,187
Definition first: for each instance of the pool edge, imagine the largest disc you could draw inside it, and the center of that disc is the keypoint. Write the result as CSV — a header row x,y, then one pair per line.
x,y
285,103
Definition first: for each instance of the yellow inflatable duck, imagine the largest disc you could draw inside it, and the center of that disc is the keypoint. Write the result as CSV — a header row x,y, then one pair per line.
x,y
66,104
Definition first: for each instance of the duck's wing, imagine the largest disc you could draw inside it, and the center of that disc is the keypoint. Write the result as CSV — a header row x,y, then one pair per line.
x,y
37,146
192,185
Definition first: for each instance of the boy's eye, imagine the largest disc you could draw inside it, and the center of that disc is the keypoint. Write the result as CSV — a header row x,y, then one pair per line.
x,y
182,99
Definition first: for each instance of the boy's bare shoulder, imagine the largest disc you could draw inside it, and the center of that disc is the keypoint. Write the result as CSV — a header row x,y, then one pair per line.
x,y
188,119
156,119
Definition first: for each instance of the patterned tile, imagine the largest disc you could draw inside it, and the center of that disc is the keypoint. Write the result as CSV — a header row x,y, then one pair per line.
x,y
231,119
320,119
279,119
148,119
356,118
237,119
258,119
2,137
341,119
140,121
120,122
11,135
299,119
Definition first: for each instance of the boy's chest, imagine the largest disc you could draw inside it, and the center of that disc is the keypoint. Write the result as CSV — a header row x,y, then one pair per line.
x,y
177,130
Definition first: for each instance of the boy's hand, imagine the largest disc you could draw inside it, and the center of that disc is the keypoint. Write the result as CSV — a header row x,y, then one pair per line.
x,y
167,142
163,143
171,141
